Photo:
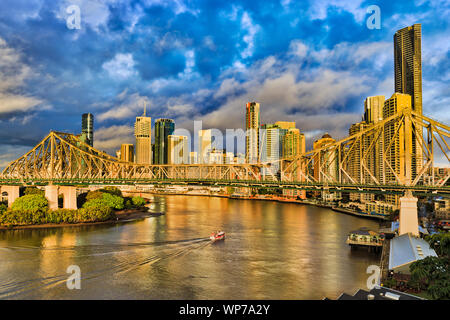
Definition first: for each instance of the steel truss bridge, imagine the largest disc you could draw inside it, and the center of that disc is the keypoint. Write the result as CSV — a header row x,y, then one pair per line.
x,y
391,156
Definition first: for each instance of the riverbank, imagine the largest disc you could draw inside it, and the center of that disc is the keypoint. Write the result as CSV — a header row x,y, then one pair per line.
x,y
273,198
122,216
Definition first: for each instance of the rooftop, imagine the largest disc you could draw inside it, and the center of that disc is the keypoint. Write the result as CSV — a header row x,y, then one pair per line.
x,y
378,293
406,249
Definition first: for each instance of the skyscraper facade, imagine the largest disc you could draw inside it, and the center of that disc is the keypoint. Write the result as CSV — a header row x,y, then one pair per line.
x,y
270,142
127,152
270,146
408,78
373,113
163,129
325,162
293,143
285,124
326,165
87,128
252,124
178,151
143,135
408,64
398,141
204,145
355,158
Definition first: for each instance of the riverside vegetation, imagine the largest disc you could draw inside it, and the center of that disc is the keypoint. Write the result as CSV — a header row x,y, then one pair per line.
x,y
96,206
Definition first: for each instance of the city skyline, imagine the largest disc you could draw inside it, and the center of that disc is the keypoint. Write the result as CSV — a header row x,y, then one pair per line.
x,y
351,61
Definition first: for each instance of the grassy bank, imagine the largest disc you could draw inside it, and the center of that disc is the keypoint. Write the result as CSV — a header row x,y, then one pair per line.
x,y
96,206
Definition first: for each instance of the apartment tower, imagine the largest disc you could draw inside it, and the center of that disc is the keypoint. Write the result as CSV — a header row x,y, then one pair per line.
x,y
408,79
252,124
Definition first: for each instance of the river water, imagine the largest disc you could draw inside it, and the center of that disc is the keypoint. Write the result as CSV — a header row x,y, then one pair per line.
x,y
272,251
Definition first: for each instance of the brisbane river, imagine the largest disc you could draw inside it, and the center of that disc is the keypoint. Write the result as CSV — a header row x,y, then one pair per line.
x,y
272,251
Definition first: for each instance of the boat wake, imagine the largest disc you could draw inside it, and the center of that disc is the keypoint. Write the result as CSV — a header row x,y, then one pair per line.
x,y
175,249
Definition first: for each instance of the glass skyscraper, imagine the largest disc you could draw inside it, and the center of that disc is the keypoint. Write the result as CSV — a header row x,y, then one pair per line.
x,y
408,80
87,128
163,129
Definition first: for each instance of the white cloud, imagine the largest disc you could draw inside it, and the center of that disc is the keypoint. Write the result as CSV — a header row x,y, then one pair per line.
x,y
249,38
298,48
109,139
318,8
13,76
129,106
352,54
11,153
121,66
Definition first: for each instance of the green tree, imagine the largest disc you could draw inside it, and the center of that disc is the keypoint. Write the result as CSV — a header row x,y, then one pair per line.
x,y
138,201
30,202
107,199
113,201
432,274
3,208
112,190
440,242
94,195
33,190
96,210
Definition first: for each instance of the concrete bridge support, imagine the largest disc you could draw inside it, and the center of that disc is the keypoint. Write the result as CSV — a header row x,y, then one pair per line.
x,y
70,197
13,193
51,193
409,221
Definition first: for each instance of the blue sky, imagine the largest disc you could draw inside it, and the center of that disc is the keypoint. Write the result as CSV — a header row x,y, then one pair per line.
x,y
312,62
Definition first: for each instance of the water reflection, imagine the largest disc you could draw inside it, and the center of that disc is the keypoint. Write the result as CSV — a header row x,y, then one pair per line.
x,y
272,251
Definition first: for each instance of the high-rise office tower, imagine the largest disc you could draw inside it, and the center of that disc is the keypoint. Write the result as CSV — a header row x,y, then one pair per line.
x,y
408,64
204,145
270,142
293,143
193,157
284,128
270,147
252,124
163,129
326,165
143,134
285,124
216,156
127,152
178,151
373,113
87,128
400,140
398,143
325,162
355,158
373,109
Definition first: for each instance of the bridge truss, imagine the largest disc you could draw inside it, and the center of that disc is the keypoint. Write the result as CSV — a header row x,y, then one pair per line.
x,y
397,152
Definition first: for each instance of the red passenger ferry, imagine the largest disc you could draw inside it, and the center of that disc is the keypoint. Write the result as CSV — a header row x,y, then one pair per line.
x,y
216,236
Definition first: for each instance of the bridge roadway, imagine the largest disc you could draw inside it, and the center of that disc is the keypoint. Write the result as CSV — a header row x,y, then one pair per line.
x,y
417,190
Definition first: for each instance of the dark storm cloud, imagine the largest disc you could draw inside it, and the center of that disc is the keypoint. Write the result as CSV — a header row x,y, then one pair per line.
x,y
203,59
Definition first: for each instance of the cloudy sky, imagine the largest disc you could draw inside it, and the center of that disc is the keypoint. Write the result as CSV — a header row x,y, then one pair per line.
x,y
309,61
